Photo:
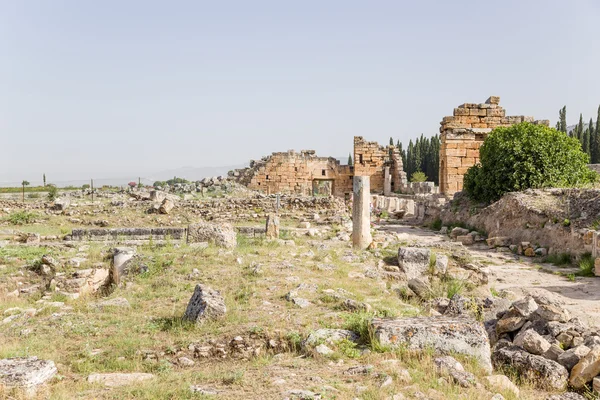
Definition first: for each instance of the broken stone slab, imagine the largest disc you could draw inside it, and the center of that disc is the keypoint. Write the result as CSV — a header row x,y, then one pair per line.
x,y
499,241
222,235
205,303
121,258
61,204
466,240
542,372
449,365
413,261
502,383
420,287
586,369
84,281
458,231
444,334
119,379
25,372
166,206
329,336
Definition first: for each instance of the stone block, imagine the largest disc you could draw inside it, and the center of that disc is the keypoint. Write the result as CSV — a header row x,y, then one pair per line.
x,y
478,112
496,112
493,100
442,334
461,111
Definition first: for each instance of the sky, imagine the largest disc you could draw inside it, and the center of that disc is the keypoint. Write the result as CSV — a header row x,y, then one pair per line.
x,y
129,87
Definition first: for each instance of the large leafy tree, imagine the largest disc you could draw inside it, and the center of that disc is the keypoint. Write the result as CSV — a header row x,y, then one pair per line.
x,y
526,156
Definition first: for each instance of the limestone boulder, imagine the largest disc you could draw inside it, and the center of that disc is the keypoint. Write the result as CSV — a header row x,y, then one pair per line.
x,y
535,343
206,303
586,369
329,336
443,334
166,206
543,373
502,383
458,231
25,372
413,261
122,256
499,241
571,357
450,366
61,204
222,235
272,228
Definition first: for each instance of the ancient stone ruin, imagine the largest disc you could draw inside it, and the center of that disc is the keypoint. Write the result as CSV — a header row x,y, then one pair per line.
x,y
463,133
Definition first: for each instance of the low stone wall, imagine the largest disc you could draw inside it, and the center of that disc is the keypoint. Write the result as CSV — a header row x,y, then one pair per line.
x,y
232,209
117,234
561,220
420,188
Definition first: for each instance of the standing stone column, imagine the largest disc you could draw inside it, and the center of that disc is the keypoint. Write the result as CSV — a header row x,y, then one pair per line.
x,y
272,228
361,212
387,182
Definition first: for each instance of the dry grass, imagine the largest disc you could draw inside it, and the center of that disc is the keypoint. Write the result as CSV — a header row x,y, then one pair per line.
x,y
84,339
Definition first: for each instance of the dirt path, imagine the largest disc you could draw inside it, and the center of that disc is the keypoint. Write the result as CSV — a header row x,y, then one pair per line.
x,y
522,275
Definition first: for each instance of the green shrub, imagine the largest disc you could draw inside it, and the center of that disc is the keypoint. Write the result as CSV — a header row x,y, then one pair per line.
x,y
558,259
21,217
52,192
436,225
586,265
418,176
526,156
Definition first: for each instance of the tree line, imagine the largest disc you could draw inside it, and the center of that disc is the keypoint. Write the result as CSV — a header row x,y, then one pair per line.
x,y
421,158
587,134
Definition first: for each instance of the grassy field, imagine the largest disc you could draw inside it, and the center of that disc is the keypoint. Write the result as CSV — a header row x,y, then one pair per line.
x,y
254,278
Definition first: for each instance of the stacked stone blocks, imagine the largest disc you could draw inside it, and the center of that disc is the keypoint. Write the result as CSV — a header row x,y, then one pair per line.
x,y
464,132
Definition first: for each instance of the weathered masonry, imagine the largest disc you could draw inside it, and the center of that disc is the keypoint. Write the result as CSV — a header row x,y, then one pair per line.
x,y
383,164
463,133
306,174
301,173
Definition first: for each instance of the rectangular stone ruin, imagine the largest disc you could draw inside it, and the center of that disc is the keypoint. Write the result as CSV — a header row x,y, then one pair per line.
x,y
116,234
463,133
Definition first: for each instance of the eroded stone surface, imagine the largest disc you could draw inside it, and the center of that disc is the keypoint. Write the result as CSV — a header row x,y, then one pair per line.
x,y
27,372
444,334
206,303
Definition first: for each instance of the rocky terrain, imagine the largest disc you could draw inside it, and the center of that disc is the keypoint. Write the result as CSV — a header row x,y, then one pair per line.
x,y
237,307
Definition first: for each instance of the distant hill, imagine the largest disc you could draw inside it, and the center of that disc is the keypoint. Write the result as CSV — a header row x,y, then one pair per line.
x,y
571,127
189,173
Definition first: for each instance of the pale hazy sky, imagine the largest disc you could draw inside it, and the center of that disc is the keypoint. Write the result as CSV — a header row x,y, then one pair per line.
x,y
116,88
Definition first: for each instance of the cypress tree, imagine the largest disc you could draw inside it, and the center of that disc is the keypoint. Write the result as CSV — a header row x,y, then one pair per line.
x,y
591,135
596,141
350,162
563,119
580,129
585,141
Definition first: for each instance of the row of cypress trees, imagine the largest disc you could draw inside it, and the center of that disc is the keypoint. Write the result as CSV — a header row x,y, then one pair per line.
x,y
587,134
422,155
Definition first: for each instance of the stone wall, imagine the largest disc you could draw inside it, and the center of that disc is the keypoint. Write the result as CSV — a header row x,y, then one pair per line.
x,y
119,234
297,173
463,133
370,159
306,174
